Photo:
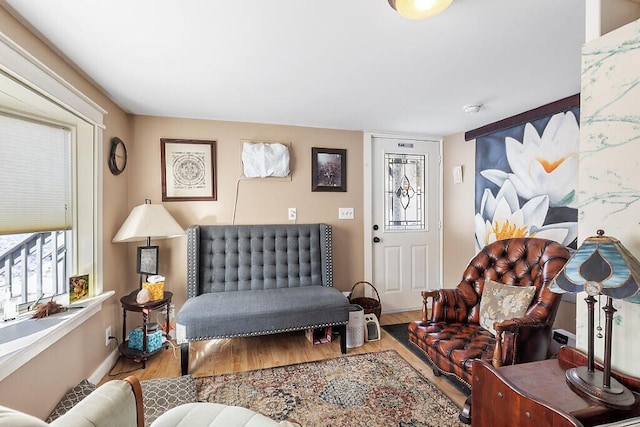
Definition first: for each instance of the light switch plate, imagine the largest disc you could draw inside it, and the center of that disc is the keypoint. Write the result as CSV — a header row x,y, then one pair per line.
x,y
345,213
457,174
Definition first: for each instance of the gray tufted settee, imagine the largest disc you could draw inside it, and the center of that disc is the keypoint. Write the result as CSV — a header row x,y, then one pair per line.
x,y
245,280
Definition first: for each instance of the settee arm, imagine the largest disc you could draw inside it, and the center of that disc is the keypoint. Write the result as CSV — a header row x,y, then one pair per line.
x,y
520,336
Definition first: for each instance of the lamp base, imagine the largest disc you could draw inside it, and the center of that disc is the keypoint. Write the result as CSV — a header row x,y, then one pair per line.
x,y
590,385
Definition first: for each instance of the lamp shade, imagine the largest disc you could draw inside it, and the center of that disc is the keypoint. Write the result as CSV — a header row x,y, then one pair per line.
x,y
601,265
148,221
419,9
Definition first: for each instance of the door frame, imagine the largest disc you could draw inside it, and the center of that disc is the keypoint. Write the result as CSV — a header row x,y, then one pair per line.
x,y
367,199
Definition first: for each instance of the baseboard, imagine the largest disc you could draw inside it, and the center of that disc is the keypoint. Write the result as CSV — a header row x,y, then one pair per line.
x,y
401,310
104,367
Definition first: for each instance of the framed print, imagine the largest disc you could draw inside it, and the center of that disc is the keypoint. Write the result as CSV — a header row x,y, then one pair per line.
x,y
188,170
78,287
526,178
328,169
147,260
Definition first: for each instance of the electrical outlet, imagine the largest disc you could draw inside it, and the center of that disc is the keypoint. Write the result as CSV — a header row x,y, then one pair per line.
x,y
345,213
292,214
107,335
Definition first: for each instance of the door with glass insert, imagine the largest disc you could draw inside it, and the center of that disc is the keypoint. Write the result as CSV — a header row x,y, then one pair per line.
x,y
405,218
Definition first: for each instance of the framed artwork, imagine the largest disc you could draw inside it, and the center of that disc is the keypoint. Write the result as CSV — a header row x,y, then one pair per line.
x,y
188,170
78,287
527,177
147,262
328,169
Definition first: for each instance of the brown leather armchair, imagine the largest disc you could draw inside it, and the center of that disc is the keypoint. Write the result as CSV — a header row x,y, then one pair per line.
x,y
453,338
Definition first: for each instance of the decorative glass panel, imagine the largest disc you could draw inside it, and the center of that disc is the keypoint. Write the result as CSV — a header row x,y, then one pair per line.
x,y
404,192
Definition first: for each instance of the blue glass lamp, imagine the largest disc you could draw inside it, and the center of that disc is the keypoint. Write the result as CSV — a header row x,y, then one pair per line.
x,y
600,266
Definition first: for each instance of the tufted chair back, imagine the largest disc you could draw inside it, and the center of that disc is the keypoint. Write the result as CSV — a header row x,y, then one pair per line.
x,y
518,262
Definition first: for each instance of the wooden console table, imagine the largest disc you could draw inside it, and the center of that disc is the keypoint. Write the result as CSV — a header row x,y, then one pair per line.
x,y
129,303
537,394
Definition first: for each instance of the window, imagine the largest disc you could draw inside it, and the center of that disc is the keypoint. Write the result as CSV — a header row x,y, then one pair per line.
x,y
32,265
48,195
31,91
404,197
35,209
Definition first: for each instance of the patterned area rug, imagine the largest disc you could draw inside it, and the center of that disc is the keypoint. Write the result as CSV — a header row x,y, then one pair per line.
x,y
400,332
373,389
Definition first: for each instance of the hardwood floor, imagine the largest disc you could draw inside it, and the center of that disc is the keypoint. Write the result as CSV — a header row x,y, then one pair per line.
x,y
242,354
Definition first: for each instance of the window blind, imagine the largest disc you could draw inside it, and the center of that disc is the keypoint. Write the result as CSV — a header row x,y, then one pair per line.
x,y
35,176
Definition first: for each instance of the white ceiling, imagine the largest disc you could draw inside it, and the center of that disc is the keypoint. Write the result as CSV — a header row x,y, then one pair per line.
x,y
343,64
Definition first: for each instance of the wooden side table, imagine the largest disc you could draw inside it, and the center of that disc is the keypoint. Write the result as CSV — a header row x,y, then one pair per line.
x,y
537,394
129,304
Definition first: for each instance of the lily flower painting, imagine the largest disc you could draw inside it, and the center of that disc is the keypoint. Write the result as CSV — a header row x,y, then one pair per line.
x,y
527,179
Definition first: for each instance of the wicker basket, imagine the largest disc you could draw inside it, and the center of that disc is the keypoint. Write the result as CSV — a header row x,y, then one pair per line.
x,y
370,305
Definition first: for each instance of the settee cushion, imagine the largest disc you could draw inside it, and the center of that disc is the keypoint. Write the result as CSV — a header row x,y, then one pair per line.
x,y
260,312
501,302
453,346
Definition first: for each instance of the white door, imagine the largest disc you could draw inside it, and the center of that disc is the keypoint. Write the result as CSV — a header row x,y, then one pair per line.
x,y
405,220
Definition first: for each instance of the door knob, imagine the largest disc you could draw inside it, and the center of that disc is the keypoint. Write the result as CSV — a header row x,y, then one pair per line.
x,y
375,226
376,240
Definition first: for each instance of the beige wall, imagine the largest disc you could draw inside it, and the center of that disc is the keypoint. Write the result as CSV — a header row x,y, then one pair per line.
x,y
37,386
259,201
616,13
458,208
603,16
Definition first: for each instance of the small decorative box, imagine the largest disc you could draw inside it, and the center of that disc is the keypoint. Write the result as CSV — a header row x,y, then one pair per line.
x,y
154,340
156,290
319,335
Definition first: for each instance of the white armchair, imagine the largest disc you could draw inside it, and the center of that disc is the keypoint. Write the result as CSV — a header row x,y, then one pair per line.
x,y
205,414
117,403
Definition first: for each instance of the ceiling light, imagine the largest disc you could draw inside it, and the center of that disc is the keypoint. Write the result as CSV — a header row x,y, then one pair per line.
x,y
419,9
472,109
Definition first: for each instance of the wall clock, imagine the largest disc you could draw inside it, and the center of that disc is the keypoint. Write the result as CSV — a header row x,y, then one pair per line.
x,y
117,156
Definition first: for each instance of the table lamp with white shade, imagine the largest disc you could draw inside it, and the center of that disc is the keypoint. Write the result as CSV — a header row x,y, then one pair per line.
x,y
146,222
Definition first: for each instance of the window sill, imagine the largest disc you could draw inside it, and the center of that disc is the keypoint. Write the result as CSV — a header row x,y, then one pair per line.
x,y
23,339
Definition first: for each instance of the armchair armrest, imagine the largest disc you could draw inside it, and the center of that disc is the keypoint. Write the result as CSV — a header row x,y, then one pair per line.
x,y
425,297
513,336
516,324
448,305
114,403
